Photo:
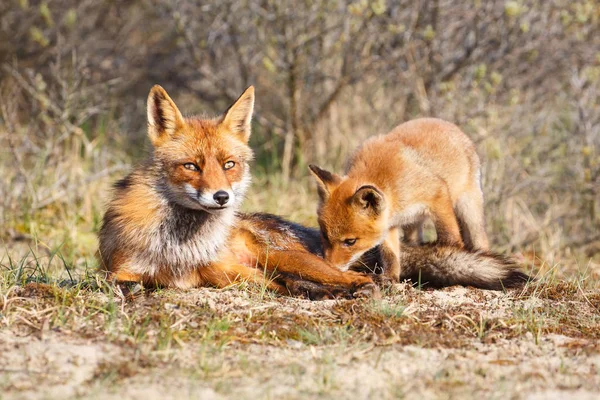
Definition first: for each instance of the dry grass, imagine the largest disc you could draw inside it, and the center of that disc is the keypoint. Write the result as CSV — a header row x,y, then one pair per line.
x,y
66,330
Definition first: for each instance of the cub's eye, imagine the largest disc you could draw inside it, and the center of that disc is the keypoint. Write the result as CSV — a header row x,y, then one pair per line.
x,y
228,165
191,166
349,242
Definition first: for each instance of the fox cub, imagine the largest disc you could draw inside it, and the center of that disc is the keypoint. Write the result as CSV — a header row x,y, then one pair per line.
x,y
422,168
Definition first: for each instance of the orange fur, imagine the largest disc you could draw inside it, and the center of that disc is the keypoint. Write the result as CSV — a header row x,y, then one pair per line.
x,y
168,226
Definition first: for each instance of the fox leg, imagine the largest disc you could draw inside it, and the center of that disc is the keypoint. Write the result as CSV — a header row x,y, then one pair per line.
x,y
302,271
413,233
125,276
390,254
223,274
120,270
219,274
469,212
444,220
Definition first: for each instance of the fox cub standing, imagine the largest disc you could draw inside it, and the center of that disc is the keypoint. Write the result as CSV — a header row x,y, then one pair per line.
x,y
173,221
423,168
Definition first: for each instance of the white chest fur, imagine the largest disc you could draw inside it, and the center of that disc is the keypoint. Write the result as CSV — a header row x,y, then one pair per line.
x,y
179,248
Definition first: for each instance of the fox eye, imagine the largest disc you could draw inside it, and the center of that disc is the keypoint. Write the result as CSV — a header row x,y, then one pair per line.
x,y
228,165
191,166
349,242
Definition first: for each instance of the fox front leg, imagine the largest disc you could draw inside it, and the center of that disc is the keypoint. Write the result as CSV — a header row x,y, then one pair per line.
x,y
390,257
444,220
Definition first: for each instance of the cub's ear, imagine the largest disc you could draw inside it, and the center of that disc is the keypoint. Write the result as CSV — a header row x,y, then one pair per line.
x,y
326,181
239,115
164,118
370,199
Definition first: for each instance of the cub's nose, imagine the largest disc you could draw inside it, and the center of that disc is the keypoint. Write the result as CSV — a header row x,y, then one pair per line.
x,y
221,197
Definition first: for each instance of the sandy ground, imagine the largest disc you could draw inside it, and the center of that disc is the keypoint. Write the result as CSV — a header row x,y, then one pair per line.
x,y
69,361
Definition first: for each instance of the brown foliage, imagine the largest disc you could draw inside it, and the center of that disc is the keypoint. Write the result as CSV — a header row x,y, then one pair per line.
x,y
521,77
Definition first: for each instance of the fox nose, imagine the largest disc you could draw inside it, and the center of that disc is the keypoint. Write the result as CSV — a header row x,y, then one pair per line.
x,y
221,197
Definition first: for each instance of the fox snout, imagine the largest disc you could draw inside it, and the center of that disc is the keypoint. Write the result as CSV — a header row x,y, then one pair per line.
x,y
212,200
337,258
215,200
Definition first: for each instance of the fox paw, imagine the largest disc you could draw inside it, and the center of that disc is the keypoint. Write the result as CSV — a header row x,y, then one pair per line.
x,y
310,290
383,280
368,290
315,291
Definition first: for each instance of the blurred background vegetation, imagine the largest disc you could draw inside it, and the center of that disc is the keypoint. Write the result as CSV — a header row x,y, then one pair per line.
x,y
522,78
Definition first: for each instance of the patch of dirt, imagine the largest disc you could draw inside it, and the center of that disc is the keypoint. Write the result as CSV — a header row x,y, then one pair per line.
x,y
52,367
243,343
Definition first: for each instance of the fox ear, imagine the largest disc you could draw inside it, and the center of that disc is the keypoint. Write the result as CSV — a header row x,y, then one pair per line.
x,y
326,181
239,115
370,199
164,118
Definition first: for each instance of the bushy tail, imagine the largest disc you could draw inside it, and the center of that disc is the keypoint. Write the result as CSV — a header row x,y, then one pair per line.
x,y
439,266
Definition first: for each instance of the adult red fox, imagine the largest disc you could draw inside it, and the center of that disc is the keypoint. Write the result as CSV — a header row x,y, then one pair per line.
x,y
174,220
422,168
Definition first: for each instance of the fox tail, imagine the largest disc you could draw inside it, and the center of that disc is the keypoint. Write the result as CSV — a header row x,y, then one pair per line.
x,y
439,266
